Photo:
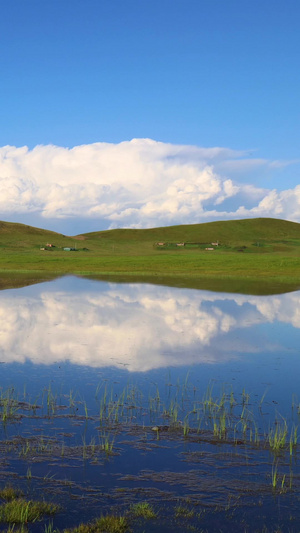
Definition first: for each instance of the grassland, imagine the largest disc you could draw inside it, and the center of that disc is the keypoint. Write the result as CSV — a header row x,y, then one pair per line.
x,y
260,253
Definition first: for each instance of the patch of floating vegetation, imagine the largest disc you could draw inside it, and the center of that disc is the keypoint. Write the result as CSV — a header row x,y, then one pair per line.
x,y
227,454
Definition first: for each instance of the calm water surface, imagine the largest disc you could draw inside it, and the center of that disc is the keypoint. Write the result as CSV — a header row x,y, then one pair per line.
x,y
126,393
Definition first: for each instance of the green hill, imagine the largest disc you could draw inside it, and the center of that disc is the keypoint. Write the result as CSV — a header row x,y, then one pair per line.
x,y
15,235
270,260
253,233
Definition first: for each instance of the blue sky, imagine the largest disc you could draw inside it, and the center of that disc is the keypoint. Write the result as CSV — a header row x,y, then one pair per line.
x,y
188,75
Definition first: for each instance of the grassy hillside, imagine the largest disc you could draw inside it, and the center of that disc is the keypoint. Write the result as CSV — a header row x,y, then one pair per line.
x,y
231,232
271,253
21,236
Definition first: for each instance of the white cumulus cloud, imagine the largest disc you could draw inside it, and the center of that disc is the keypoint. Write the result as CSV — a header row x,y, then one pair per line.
x,y
138,183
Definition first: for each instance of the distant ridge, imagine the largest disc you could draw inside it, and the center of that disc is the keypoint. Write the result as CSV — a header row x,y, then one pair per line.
x,y
230,231
16,227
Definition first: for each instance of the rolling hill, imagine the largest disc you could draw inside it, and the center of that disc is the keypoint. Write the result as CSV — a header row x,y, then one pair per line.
x,y
270,260
231,233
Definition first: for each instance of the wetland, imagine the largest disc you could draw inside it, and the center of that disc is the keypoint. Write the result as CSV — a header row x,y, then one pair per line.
x,y
140,407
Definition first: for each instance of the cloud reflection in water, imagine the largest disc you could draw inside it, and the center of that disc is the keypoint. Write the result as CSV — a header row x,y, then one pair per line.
x,y
140,327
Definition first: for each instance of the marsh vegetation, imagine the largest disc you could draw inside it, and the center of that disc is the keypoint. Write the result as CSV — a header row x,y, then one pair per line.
x,y
225,450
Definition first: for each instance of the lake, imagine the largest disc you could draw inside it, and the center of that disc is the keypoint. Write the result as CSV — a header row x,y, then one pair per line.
x,y
121,398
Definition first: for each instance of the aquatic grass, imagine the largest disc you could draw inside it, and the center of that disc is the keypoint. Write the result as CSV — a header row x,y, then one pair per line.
x,y
221,414
277,437
72,401
154,403
26,448
221,403
262,399
182,511
274,475
92,446
293,439
51,400
186,427
142,510
232,400
34,406
218,413
245,397
208,402
47,476
9,405
171,412
50,529
84,448
19,529
291,479
106,443
277,483
9,493
105,524
111,524
114,408
85,410
21,511
220,426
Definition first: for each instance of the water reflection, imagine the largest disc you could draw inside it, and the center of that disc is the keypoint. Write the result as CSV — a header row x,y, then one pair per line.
x,y
141,327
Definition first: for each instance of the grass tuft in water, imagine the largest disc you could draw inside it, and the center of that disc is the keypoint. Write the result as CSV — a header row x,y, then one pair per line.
x,y
182,511
104,524
277,437
275,475
20,511
9,493
142,510
9,405
50,529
